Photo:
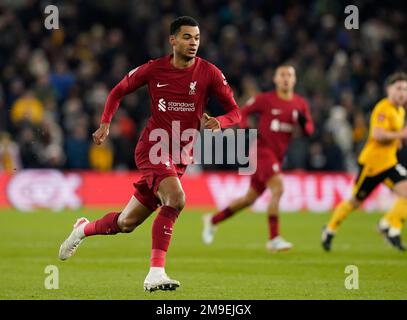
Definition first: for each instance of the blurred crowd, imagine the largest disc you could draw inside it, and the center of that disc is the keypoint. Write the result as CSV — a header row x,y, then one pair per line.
x,y
54,83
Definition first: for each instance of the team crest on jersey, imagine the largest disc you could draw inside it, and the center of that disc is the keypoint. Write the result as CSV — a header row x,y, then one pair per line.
x,y
192,87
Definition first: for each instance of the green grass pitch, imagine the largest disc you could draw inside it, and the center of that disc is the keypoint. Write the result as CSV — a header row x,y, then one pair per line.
x,y
236,266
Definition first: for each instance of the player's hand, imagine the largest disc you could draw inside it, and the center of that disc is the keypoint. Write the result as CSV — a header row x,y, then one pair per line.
x,y
210,122
101,133
403,133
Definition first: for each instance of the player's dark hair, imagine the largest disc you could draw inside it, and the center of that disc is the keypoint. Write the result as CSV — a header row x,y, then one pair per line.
x,y
182,21
284,65
394,77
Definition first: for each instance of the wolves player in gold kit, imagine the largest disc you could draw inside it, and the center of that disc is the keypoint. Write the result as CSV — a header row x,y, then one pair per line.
x,y
378,163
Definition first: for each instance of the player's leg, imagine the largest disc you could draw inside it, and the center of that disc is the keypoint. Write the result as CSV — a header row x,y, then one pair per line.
x,y
125,221
235,206
340,213
112,223
364,185
172,197
134,214
392,223
211,220
276,242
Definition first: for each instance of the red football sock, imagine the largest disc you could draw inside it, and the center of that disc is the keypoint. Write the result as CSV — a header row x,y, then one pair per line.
x,y
222,215
106,225
161,234
158,258
273,227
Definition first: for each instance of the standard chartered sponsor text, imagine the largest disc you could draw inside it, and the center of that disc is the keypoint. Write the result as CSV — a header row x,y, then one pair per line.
x,y
181,106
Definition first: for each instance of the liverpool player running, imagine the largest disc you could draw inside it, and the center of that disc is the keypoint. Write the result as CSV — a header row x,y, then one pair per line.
x,y
279,111
179,85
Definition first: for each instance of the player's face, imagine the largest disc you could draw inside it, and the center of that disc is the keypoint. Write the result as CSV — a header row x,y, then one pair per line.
x,y
285,79
397,92
186,42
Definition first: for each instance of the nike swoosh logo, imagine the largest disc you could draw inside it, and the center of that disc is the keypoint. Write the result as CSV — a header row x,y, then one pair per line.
x,y
162,85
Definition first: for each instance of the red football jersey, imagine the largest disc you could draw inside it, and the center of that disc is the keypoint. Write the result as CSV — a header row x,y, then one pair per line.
x,y
277,118
176,95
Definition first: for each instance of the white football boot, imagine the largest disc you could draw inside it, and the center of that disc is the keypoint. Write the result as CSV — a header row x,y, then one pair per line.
x,y
157,279
278,244
209,229
69,246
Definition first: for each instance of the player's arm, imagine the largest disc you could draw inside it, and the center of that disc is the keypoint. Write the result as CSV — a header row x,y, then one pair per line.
x,y
385,136
381,124
305,119
252,106
131,82
222,91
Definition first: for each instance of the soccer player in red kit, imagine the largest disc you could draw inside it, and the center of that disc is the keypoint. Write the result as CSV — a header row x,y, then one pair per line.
x,y
179,85
278,112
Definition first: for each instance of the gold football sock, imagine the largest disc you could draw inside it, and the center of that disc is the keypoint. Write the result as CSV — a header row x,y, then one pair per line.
x,y
397,214
341,211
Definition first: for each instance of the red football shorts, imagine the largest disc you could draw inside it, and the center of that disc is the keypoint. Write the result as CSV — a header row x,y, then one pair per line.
x,y
152,175
266,168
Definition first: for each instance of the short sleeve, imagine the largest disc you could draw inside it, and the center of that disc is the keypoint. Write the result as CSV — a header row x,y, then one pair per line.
x,y
380,118
139,76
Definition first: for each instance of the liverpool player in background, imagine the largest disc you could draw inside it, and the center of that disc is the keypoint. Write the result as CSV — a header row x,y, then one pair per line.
x,y
179,85
278,112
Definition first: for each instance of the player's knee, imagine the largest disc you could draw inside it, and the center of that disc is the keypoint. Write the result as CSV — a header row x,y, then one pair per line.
x,y
176,200
127,225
